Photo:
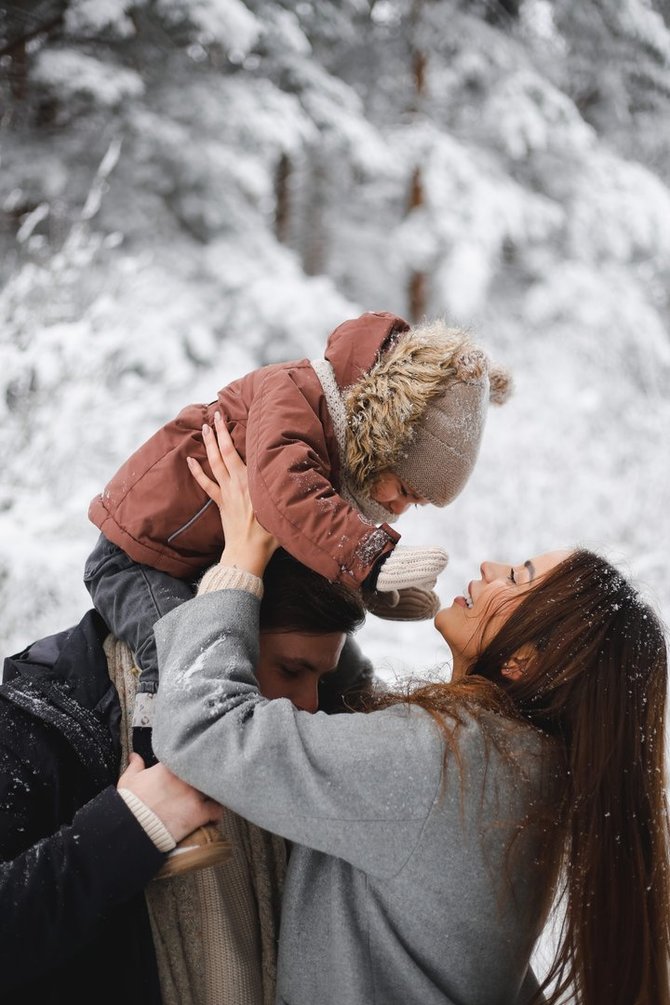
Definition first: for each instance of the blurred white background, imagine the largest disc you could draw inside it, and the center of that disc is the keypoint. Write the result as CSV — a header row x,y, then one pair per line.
x,y
191,188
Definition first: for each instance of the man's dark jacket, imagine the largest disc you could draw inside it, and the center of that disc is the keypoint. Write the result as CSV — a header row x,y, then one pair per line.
x,y
73,859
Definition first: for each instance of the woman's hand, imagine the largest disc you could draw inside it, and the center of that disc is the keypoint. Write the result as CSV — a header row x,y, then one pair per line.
x,y
247,545
179,806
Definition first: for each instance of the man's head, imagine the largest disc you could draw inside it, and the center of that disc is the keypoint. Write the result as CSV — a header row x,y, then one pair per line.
x,y
304,621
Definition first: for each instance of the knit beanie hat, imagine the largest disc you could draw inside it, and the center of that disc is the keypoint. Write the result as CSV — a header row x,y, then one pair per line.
x,y
421,410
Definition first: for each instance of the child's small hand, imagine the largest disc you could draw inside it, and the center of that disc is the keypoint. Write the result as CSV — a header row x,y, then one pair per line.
x,y
411,604
247,544
407,567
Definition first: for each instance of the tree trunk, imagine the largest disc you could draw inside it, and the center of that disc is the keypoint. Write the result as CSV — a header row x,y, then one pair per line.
x,y
282,199
314,255
417,287
502,12
18,74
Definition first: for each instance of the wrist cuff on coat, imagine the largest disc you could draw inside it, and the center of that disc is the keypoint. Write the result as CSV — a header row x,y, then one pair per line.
x,y
229,577
152,825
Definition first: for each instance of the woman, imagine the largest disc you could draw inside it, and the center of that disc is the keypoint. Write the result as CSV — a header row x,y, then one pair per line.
x,y
74,857
432,834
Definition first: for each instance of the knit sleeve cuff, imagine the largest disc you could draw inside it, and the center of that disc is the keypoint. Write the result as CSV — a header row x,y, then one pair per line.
x,y
229,577
153,826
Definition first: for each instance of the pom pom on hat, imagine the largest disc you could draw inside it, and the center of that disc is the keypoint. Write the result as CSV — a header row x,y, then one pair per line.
x,y
470,365
500,384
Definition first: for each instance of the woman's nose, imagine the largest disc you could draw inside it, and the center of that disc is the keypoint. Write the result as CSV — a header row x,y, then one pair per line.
x,y
491,571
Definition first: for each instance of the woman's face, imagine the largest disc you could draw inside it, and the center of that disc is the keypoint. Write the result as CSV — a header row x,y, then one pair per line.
x,y
474,618
291,665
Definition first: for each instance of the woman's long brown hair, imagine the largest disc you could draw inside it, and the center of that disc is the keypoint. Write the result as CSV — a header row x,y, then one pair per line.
x,y
597,682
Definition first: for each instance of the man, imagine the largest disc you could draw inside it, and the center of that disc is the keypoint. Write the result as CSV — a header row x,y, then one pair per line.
x,y
78,845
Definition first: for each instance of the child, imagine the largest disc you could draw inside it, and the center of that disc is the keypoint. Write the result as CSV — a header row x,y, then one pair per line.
x,y
336,450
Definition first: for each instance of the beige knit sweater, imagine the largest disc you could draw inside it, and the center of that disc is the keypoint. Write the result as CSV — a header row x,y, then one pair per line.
x,y
215,931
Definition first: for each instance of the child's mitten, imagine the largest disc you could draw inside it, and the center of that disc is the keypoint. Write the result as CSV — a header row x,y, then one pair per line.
x,y
405,567
413,604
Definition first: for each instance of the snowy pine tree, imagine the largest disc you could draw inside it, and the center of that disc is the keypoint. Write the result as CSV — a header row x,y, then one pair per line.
x,y
191,188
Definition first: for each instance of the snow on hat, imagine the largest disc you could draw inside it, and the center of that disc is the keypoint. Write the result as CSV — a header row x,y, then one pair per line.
x,y
421,410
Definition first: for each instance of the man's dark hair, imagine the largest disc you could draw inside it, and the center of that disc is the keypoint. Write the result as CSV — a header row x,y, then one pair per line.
x,y
299,600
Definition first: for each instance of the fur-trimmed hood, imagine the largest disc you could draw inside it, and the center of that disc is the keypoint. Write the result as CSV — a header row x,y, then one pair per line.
x,y
412,368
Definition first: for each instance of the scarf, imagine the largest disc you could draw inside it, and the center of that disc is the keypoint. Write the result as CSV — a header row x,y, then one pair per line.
x,y
215,931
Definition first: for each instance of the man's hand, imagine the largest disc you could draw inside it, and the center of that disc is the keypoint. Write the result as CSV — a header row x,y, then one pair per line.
x,y
179,806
